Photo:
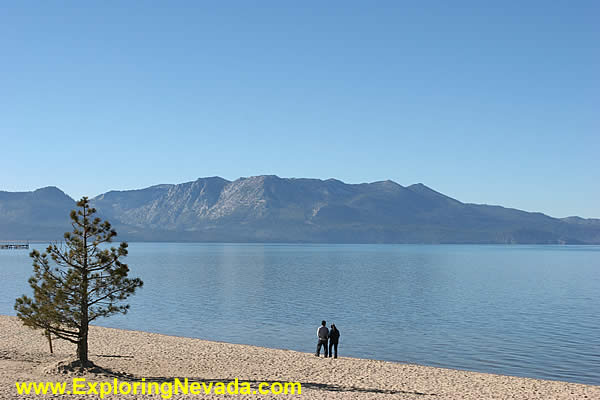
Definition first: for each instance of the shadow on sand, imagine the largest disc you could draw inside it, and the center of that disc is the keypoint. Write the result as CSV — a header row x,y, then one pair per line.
x,y
254,383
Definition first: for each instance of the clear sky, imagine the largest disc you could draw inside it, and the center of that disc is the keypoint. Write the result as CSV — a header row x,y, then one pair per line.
x,y
496,104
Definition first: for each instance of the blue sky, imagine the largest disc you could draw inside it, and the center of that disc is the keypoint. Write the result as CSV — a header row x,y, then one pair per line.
x,y
492,104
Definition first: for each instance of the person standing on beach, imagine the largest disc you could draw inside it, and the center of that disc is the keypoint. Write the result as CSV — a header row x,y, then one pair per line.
x,y
323,335
334,337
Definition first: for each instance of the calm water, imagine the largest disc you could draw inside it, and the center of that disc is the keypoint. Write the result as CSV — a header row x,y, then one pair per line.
x,y
517,310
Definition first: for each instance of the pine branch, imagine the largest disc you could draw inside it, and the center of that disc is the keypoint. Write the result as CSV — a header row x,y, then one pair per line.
x,y
62,257
125,289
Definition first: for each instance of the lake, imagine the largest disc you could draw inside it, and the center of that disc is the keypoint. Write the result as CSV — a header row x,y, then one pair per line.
x,y
528,311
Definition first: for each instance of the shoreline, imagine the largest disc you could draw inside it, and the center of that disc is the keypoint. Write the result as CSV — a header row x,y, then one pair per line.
x,y
345,357
136,354
125,330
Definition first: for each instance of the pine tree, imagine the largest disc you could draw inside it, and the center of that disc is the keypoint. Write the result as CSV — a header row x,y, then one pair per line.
x,y
88,281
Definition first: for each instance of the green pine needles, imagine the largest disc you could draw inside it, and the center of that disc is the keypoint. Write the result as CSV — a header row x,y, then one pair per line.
x,y
86,281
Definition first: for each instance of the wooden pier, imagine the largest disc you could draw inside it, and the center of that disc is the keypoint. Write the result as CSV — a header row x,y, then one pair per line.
x,y
14,246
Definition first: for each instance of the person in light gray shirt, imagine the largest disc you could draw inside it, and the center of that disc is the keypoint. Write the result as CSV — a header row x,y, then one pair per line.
x,y
323,335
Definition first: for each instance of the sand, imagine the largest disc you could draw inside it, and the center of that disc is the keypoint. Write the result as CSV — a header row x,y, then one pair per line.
x,y
133,355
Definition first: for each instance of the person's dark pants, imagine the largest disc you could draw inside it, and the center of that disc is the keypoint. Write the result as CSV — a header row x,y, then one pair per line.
x,y
322,342
331,353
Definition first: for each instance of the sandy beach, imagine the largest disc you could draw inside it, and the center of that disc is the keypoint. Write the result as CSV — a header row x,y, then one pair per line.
x,y
132,355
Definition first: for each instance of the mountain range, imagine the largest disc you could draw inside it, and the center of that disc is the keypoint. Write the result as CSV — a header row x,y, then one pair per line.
x,y
271,209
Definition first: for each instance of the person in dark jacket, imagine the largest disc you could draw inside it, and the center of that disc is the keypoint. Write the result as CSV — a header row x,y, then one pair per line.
x,y
323,335
334,338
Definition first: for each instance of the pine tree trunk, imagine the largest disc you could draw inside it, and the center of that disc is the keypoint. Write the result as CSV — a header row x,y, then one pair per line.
x,y
82,350
82,345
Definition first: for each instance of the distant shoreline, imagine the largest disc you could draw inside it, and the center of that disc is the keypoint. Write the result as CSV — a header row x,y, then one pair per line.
x,y
119,239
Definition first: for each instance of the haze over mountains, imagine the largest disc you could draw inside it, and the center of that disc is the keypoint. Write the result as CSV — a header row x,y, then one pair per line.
x,y
273,209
